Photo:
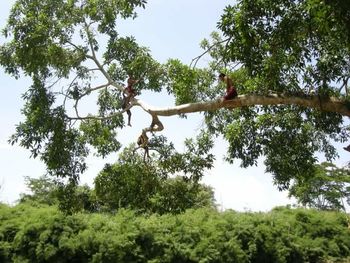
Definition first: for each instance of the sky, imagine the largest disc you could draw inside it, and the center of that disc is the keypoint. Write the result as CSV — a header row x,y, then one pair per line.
x,y
170,29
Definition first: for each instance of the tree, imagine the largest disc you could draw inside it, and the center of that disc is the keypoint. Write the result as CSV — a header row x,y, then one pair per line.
x,y
42,190
325,190
168,183
289,59
52,192
139,188
295,48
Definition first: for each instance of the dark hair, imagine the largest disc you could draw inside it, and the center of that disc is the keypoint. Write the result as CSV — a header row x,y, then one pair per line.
x,y
222,75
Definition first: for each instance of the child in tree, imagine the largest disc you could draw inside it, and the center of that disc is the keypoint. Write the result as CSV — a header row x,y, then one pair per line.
x,y
128,94
231,91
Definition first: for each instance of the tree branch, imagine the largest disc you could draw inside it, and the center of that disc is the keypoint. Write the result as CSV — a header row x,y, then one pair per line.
x,y
93,89
330,104
95,117
100,67
196,59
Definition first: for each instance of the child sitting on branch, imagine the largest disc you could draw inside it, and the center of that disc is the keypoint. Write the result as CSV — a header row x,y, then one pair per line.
x,y
231,91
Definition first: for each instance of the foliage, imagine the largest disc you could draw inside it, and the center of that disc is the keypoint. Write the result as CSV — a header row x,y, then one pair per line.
x,y
31,234
169,183
326,189
176,195
42,190
141,188
292,48
70,198
194,161
56,42
188,84
46,130
289,45
295,48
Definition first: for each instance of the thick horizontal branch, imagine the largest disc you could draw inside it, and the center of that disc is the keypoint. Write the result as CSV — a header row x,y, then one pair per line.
x,y
327,104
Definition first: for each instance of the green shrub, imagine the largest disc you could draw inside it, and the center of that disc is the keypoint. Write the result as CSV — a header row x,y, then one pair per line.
x,y
43,234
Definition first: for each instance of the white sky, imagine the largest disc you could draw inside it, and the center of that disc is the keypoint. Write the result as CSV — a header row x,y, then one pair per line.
x,y
171,29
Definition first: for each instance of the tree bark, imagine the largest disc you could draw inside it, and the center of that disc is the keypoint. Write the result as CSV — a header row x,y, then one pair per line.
x,y
329,104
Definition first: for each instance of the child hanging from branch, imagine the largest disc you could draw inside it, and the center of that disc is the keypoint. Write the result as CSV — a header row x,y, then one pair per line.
x,y
142,142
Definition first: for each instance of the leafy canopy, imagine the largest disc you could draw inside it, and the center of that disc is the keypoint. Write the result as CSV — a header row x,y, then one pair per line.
x,y
56,42
291,47
167,183
72,50
326,189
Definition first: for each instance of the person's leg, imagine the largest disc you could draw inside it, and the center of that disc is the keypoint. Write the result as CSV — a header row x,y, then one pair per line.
x,y
129,117
231,94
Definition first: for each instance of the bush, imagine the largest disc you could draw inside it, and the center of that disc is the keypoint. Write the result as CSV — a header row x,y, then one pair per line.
x,y
43,234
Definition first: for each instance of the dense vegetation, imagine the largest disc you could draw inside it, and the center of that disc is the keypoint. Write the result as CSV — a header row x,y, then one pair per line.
x,y
43,234
156,210
293,48
135,214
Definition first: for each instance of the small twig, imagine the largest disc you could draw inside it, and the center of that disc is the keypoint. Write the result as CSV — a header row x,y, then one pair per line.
x,y
74,45
91,117
94,89
345,85
93,57
95,117
196,59
69,87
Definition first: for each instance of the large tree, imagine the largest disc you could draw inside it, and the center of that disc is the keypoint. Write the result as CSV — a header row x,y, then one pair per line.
x,y
150,187
147,187
327,189
289,60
